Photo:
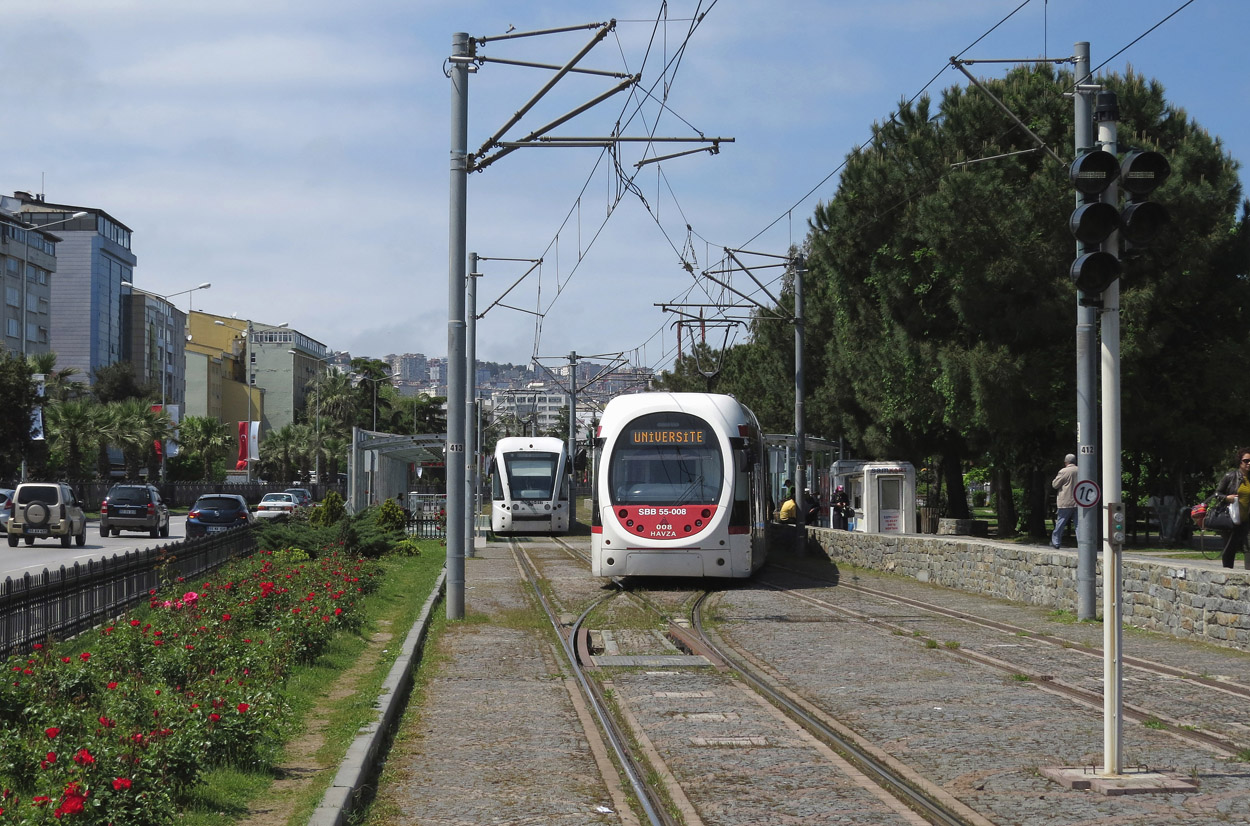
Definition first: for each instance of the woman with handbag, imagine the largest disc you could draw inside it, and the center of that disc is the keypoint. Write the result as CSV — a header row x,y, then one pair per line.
x,y
1233,493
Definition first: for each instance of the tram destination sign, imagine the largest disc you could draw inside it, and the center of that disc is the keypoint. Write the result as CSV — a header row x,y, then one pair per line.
x,y
668,437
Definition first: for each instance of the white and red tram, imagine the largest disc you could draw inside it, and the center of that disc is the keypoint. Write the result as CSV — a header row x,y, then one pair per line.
x,y
530,486
679,487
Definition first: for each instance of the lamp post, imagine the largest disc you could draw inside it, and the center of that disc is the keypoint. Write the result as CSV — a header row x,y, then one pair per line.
x,y
22,272
375,393
247,358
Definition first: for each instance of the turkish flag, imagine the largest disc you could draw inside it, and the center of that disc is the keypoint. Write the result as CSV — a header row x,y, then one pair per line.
x,y
243,451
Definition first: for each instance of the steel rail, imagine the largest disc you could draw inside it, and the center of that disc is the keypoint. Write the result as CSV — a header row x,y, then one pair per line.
x,y
647,797
883,775
1046,682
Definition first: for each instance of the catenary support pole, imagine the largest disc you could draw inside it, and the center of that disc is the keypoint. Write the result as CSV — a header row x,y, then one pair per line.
x,y
470,404
572,434
458,71
1086,377
800,434
1106,113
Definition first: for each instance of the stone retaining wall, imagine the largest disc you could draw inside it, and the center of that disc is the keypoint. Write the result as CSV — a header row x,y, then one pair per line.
x,y
1169,596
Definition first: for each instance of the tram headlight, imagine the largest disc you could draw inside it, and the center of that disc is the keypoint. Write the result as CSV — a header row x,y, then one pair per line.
x,y
623,513
706,513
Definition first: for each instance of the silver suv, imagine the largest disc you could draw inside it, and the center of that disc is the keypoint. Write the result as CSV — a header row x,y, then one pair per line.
x,y
42,510
134,507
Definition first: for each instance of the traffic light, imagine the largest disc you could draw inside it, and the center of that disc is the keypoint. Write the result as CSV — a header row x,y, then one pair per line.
x,y
1115,523
1092,223
1141,174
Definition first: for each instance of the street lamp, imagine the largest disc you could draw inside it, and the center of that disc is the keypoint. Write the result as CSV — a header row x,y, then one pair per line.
x,y
375,394
247,357
35,228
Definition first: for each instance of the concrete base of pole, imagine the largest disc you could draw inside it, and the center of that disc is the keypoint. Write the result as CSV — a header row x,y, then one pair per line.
x,y
1132,781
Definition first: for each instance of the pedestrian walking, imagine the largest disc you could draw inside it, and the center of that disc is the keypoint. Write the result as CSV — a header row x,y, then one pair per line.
x,y
1235,487
1065,502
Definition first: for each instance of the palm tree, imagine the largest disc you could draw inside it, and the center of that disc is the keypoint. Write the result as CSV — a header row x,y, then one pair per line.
x,y
335,401
207,437
139,428
58,384
278,453
71,428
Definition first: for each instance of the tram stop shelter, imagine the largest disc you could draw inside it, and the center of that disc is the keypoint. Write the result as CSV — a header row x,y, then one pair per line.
x,y
379,465
882,494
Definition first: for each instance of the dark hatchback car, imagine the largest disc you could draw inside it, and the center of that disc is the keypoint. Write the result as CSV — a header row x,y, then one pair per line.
x,y
134,508
217,512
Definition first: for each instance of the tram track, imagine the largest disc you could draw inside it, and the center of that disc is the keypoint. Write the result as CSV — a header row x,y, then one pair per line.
x,y
874,766
1222,746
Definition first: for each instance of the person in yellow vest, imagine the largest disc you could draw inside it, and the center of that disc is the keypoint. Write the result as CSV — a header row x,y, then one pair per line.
x,y
789,510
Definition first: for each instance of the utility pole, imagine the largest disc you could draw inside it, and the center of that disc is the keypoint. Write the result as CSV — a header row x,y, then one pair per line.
x,y
470,406
1106,114
572,416
458,70
800,433
1087,528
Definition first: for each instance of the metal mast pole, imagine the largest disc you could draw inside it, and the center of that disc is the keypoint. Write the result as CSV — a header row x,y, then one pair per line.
x,y
1086,377
470,404
247,385
458,71
1107,113
800,435
572,423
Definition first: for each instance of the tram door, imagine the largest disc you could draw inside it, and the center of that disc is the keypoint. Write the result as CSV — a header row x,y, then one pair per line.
x,y
890,504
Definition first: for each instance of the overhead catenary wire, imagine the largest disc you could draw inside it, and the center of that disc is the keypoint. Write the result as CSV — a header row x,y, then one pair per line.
x,y
634,109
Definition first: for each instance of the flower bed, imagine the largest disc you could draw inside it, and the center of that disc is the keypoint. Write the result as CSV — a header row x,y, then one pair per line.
x,y
116,726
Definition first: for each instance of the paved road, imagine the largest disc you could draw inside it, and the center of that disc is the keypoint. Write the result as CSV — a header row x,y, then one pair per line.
x,y
48,553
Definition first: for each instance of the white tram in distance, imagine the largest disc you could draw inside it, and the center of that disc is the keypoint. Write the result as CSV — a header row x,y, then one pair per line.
x,y
680,488
530,486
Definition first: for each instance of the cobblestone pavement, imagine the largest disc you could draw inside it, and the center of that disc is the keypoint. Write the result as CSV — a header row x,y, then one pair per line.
x,y
499,737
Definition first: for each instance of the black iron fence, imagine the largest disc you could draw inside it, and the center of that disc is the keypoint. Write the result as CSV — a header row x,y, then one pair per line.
x,y
62,603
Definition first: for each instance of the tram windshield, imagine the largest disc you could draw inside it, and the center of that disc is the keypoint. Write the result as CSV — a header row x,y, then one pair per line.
x,y
531,475
666,459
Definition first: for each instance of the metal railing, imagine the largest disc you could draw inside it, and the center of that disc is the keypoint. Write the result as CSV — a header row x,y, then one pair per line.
x,y
62,603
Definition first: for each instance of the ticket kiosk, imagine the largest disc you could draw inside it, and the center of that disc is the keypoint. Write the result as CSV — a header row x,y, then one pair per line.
x,y
882,495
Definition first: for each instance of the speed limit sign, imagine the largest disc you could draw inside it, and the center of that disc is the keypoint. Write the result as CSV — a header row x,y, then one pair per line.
x,y
1087,493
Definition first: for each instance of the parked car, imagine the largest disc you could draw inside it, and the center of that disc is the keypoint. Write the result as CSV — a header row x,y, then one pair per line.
x,y
134,507
42,510
217,512
6,508
276,506
303,496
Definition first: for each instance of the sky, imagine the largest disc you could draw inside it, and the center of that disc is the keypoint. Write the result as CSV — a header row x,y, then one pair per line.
x,y
295,153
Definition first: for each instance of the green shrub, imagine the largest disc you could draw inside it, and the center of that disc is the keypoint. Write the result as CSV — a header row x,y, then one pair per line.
x,y
329,512
391,516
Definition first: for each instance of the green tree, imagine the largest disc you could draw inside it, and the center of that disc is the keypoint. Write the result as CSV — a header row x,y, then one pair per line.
x,y
948,309
17,398
59,385
116,382
207,438
71,428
